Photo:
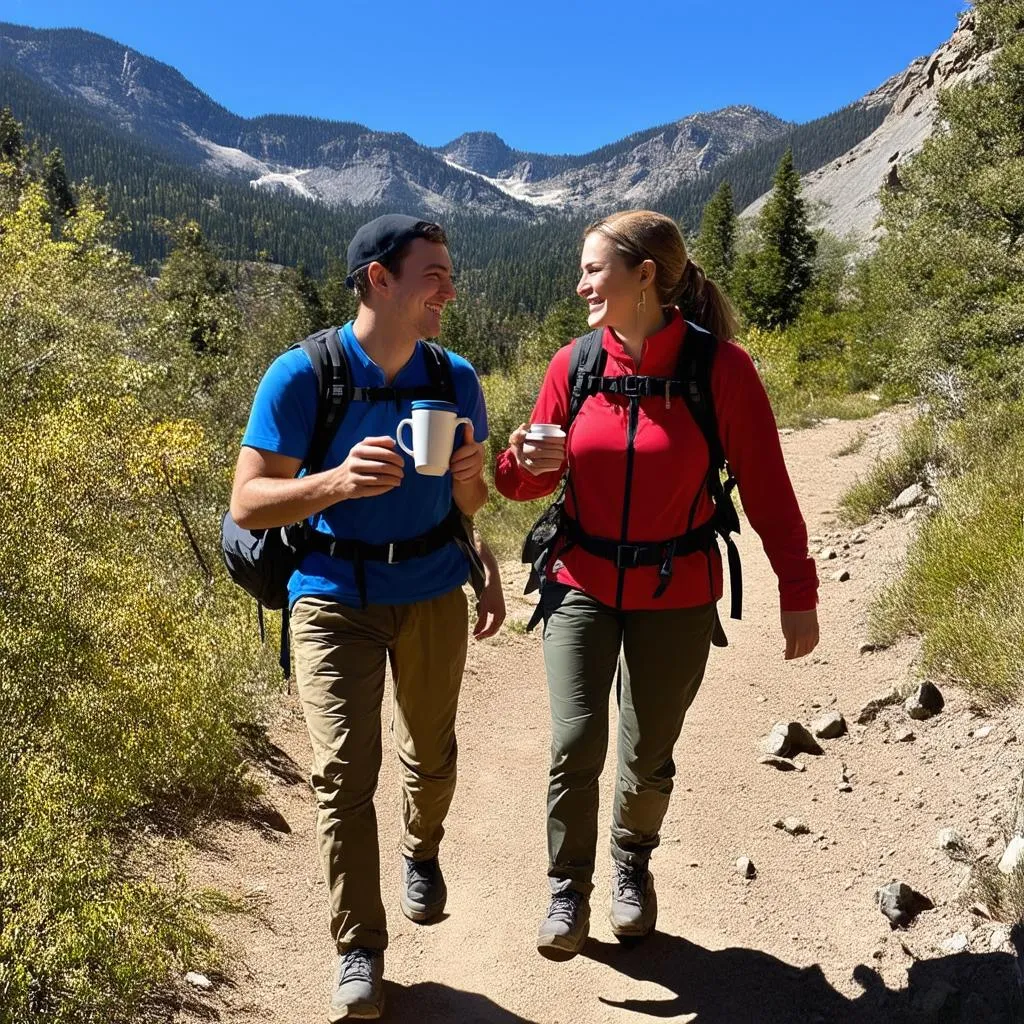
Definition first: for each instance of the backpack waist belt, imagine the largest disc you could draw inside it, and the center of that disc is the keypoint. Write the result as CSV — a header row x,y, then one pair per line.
x,y
359,551
660,553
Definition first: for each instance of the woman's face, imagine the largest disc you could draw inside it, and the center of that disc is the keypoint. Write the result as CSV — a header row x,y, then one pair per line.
x,y
608,285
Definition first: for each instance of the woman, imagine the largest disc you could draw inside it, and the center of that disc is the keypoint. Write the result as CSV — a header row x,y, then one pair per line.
x,y
638,471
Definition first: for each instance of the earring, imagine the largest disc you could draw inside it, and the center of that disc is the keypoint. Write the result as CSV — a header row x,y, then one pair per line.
x,y
641,306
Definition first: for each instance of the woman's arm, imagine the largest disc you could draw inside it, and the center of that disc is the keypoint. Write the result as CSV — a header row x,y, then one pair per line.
x,y
524,471
750,439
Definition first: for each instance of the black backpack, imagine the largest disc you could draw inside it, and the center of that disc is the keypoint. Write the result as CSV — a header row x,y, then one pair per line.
x,y
692,382
262,561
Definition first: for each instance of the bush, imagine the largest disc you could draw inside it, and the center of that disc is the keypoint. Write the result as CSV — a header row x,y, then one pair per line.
x,y
961,586
125,659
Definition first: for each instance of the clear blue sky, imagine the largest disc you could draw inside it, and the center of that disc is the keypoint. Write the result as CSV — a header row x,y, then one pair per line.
x,y
553,76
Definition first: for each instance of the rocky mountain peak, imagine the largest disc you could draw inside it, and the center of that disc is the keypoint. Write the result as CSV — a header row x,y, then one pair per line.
x,y
845,191
483,152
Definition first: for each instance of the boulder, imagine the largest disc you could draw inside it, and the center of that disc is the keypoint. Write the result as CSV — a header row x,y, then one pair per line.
x,y
910,496
1012,856
925,702
901,904
829,726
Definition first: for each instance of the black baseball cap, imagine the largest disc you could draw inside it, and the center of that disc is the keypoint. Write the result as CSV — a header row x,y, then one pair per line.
x,y
383,236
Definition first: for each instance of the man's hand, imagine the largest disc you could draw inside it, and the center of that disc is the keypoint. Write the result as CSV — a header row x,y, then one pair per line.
x,y
371,468
801,632
467,462
490,609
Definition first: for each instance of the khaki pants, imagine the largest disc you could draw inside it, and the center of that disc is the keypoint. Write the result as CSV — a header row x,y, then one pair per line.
x,y
340,660
661,656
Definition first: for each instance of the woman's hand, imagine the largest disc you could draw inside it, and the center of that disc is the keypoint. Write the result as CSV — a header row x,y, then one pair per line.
x,y
537,457
801,632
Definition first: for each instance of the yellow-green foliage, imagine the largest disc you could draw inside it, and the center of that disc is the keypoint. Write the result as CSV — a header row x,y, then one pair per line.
x,y
805,369
962,585
510,398
123,665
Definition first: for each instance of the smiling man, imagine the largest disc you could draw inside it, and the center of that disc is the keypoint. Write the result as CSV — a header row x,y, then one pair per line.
x,y
384,584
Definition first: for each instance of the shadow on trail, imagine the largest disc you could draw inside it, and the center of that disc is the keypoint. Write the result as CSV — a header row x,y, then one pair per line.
x,y
745,986
428,1002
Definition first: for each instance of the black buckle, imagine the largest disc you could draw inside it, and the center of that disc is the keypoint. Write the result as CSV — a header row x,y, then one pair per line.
x,y
627,556
631,385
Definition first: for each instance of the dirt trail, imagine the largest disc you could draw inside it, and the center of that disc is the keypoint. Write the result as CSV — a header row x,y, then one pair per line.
x,y
783,947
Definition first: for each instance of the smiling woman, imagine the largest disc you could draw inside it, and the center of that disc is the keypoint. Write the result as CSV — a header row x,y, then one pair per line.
x,y
652,403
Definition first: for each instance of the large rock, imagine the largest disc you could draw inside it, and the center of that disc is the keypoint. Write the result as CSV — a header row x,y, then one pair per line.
x,y
1012,856
789,738
926,702
829,726
910,496
901,904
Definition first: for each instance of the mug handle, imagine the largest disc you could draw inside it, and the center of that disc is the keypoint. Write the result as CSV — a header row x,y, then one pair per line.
x,y
461,420
398,437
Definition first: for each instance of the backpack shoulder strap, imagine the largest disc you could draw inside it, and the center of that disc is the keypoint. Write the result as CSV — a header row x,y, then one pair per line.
x,y
696,358
587,359
334,384
439,370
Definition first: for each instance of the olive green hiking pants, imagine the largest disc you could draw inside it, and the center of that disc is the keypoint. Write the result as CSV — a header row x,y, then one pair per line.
x,y
661,656
340,657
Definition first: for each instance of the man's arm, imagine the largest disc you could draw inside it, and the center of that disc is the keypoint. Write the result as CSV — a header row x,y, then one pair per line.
x,y
266,493
490,609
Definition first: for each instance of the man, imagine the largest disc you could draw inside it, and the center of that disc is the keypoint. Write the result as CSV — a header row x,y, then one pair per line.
x,y
349,616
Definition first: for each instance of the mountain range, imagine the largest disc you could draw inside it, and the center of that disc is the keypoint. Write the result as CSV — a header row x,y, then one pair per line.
x,y
346,163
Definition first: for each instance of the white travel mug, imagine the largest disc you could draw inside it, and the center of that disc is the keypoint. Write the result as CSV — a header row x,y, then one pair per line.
x,y
433,427
543,431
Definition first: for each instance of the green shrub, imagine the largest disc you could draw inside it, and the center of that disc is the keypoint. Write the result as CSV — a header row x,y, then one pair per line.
x,y
125,656
961,587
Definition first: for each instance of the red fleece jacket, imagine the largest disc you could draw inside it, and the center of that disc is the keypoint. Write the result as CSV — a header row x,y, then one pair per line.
x,y
669,470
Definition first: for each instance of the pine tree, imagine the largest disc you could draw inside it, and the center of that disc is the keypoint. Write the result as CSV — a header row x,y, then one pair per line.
x,y
59,193
196,284
716,243
12,141
771,279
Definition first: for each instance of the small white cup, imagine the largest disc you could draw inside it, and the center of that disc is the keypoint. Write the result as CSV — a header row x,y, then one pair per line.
x,y
433,435
544,432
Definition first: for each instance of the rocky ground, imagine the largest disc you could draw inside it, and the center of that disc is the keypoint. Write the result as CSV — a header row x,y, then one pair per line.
x,y
803,940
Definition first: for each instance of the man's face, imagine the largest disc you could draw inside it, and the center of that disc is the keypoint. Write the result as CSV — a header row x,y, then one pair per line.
x,y
423,287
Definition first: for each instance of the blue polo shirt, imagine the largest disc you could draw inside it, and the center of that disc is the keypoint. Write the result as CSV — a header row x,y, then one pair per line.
x,y
282,420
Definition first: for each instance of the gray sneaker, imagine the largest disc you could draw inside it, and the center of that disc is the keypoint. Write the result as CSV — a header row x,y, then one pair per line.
x,y
359,992
634,910
564,930
424,893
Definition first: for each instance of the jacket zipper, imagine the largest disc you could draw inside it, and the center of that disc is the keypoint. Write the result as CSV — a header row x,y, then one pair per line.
x,y
634,416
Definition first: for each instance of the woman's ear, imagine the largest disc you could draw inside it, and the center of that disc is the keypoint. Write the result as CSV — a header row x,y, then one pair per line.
x,y
648,270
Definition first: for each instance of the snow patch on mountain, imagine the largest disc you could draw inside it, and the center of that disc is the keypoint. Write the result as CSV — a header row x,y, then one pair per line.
x,y
227,160
290,181
518,189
